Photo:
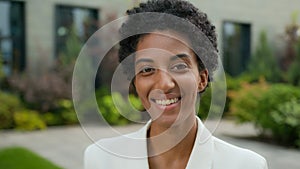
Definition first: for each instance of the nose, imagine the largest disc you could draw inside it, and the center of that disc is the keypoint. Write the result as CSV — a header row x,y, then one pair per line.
x,y
164,81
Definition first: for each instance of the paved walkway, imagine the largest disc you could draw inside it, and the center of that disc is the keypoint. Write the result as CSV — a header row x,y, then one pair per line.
x,y
65,146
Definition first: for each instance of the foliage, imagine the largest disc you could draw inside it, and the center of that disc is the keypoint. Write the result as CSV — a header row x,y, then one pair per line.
x,y
263,62
52,119
67,112
287,118
207,108
244,102
28,120
64,114
205,102
1,69
43,92
9,104
14,114
21,158
260,102
293,73
72,48
292,37
121,113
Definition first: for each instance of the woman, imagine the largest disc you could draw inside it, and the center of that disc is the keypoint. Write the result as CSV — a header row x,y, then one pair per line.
x,y
169,69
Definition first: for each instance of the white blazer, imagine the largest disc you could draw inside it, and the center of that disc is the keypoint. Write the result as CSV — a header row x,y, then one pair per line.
x,y
130,152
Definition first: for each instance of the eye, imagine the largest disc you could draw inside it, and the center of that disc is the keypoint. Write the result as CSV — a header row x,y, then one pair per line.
x,y
147,70
180,67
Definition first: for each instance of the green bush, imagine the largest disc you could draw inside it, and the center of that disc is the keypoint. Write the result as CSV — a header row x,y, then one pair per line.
x,y
293,74
1,69
67,112
28,120
259,103
244,101
9,103
233,84
263,63
287,119
52,119
64,114
205,100
110,112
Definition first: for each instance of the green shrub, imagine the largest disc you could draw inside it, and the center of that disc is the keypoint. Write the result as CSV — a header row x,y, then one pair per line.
x,y
261,104
9,103
110,112
245,101
271,98
287,119
64,114
28,120
67,112
204,106
293,74
263,63
52,119
1,69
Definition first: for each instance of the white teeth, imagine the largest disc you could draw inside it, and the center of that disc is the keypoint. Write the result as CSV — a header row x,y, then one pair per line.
x,y
166,101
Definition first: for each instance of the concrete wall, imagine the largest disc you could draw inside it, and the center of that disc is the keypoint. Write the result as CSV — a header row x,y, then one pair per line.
x,y
269,15
40,25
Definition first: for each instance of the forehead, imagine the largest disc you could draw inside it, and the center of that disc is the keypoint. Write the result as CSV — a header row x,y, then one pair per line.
x,y
167,41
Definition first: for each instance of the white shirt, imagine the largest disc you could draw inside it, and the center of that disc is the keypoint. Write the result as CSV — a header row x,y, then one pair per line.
x,y
208,152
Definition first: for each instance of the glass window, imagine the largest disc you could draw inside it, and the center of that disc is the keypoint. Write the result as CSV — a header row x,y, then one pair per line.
x,y
12,36
236,47
73,26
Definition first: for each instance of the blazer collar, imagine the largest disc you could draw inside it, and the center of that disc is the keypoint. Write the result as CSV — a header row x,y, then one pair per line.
x,y
202,153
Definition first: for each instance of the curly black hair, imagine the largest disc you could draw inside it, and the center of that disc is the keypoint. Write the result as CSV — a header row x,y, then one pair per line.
x,y
198,33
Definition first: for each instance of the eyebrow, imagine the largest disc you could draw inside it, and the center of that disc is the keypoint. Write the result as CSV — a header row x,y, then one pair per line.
x,y
175,57
179,56
144,60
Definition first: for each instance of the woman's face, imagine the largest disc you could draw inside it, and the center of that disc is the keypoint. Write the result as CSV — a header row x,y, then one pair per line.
x,y
167,77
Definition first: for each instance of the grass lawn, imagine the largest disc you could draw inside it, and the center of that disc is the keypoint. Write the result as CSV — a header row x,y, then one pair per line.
x,y
20,158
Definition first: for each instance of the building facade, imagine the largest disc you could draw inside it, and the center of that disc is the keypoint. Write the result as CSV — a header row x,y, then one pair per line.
x,y
33,32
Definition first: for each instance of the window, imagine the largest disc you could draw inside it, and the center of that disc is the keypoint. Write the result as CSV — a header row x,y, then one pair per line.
x,y
12,36
236,47
73,26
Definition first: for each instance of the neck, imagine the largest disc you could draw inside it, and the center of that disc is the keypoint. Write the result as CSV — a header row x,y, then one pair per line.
x,y
173,143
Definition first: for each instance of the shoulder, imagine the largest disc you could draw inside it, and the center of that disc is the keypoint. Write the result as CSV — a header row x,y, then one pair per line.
x,y
236,157
115,152
95,156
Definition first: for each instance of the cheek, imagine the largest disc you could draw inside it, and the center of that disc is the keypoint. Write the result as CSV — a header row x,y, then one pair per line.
x,y
142,91
188,84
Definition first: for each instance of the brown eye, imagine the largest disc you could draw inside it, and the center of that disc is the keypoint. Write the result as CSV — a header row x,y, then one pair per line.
x,y
179,67
147,70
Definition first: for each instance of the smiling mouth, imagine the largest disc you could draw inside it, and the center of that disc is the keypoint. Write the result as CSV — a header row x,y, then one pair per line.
x,y
166,102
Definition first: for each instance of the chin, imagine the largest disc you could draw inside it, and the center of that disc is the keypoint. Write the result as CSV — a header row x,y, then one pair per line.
x,y
171,120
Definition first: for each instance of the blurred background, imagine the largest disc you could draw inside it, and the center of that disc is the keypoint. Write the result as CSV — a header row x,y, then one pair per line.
x,y
258,41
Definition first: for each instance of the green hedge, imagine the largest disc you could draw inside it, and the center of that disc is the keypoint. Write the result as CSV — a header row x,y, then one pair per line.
x,y
110,112
268,107
9,103
15,114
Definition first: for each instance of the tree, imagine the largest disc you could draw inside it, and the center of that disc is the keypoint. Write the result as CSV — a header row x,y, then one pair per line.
x,y
263,63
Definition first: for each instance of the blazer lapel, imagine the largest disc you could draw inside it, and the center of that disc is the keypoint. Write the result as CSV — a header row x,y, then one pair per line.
x,y
202,153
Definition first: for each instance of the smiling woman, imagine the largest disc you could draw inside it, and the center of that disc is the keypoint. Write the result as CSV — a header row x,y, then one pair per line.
x,y
170,66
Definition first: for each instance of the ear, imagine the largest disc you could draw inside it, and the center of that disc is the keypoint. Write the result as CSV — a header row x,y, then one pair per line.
x,y
203,81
